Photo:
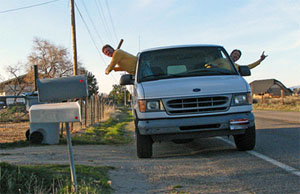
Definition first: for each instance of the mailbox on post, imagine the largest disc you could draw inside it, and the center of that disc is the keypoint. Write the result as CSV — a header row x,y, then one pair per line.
x,y
45,118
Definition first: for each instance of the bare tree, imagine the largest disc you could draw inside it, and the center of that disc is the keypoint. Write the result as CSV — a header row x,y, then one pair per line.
x,y
52,60
18,82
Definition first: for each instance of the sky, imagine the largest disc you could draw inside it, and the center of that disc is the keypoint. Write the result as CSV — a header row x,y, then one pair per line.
x,y
253,26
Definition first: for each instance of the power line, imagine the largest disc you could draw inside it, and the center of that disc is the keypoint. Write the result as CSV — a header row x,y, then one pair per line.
x,y
103,22
86,26
91,37
90,18
111,20
26,7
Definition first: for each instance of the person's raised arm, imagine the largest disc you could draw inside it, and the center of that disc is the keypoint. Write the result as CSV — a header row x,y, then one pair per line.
x,y
256,63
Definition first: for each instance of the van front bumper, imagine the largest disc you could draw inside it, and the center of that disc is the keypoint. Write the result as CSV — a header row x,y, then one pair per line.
x,y
206,126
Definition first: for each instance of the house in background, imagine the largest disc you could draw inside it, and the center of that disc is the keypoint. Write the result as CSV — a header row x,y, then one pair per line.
x,y
15,86
269,87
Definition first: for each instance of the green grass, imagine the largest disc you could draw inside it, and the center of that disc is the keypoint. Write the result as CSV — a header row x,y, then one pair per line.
x,y
42,179
113,131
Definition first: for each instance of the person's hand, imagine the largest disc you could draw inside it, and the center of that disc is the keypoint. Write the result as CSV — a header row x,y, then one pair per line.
x,y
263,56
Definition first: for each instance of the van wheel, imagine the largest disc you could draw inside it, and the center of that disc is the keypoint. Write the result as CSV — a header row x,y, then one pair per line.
x,y
143,145
246,141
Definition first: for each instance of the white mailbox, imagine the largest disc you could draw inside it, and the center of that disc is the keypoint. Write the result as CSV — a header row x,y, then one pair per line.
x,y
55,113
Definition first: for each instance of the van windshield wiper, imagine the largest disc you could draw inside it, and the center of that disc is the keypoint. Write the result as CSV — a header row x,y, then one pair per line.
x,y
217,71
162,76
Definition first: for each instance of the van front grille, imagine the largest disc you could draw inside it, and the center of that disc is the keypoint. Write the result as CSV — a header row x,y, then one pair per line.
x,y
197,105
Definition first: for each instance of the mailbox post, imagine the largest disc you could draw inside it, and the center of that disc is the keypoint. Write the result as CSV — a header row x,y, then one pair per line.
x,y
55,92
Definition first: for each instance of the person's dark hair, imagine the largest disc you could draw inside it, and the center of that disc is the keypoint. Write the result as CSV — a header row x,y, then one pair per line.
x,y
106,46
237,51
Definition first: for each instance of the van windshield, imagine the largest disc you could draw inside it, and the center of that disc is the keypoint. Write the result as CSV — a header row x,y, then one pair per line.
x,y
184,62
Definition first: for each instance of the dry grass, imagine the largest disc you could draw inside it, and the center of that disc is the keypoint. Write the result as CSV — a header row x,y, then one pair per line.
x,y
11,132
290,103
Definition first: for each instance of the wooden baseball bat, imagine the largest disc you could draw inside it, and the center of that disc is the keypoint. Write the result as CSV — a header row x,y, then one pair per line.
x,y
120,44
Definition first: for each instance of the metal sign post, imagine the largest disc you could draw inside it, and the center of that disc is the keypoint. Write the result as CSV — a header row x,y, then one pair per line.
x,y
72,166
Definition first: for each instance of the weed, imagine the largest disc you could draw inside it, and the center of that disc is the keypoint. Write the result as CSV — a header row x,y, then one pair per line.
x,y
40,179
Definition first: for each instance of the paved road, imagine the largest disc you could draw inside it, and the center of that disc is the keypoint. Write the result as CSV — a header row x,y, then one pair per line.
x,y
210,165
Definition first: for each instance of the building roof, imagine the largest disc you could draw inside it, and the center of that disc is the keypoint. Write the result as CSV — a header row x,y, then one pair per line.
x,y
262,86
13,79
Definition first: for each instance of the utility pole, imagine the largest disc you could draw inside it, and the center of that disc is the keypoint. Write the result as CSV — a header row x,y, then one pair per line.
x,y
68,127
75,66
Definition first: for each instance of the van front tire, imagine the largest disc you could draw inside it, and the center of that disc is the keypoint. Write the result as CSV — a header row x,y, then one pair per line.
x,y
246,141
143,145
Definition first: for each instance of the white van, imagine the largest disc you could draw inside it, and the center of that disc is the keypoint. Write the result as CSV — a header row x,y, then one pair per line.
x,y
185,92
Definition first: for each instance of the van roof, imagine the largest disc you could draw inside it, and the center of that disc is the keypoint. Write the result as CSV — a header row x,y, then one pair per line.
x,y
181,46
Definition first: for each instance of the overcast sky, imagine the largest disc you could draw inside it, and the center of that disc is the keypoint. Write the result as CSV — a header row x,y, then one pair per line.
x,y
254,26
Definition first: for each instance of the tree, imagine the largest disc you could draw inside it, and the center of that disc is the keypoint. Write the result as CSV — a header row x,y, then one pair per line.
x,y
92,84
53,61
18,83
117,94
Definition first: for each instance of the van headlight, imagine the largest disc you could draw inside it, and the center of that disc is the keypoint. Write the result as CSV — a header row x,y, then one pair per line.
x,y
150,105
241,99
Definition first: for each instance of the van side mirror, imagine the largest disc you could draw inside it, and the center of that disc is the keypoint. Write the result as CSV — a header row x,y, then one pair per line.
x,y
244,70
126,79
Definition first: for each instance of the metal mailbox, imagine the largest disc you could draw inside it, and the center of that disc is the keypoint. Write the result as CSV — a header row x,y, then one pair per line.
x,y
62,89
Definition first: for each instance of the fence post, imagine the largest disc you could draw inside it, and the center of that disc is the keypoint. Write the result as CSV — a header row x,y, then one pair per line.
x,y
97,108
81,111
100,108
282,96
86,111
91,111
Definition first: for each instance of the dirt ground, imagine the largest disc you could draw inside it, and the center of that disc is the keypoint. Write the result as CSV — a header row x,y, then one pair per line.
x,y
11,132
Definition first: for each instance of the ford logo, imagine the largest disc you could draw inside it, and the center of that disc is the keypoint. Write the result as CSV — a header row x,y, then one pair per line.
x,y
196,90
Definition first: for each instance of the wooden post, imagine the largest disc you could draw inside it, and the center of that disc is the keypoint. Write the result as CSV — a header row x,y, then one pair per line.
x,y
36,76
282,96
100,109
97,108
86,111
81,109
75,66
91,111
125,96
262,99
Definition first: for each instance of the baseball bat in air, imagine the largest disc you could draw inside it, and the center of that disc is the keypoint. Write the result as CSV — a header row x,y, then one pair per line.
x,y
120,44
